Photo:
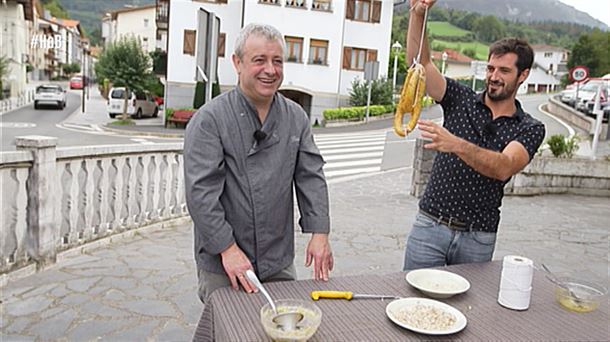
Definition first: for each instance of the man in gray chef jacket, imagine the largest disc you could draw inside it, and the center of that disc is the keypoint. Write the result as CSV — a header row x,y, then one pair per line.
x,y
243,152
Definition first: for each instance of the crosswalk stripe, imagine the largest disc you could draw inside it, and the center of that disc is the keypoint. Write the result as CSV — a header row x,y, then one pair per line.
x,y
351,154
346,150
337,173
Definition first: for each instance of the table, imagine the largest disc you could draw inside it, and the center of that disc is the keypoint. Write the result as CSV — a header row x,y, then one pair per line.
x,y
234,316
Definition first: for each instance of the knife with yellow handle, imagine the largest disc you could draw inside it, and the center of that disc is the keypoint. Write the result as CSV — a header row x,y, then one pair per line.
x,y
315,295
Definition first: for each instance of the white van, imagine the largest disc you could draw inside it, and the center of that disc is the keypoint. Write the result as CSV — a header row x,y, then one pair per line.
x,y
138,105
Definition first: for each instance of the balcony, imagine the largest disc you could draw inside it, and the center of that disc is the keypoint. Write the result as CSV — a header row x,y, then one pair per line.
x,y
321,5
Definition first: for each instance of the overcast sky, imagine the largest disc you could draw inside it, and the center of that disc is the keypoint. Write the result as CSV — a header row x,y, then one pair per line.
x,y
598,9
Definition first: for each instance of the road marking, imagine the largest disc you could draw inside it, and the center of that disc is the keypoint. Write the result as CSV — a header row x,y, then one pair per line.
x,y
142,141
17,125
571,131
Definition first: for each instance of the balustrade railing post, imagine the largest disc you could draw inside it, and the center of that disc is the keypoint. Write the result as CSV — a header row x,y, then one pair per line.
x,y
42,230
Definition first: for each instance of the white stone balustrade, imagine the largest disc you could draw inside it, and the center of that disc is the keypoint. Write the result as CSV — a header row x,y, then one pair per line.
x,y
55,199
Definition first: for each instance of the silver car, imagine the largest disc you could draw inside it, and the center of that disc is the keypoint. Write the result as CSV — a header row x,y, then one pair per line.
x,y
50,94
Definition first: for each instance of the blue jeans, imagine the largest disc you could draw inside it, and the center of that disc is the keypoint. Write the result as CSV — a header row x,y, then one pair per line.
x,y
431,244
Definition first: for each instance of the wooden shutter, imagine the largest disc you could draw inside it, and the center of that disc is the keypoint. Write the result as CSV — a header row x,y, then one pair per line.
x,y
371,55
221,44
188,43
351,9
347,57
376,16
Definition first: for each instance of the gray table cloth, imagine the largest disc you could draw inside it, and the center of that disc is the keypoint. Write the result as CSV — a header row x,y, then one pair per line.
x,y
234,316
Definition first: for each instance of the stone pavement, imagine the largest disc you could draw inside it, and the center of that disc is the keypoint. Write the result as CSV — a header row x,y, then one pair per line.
x,y
143,287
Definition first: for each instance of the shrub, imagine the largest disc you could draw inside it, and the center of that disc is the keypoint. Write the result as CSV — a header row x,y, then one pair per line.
x,y
561,146
557,144
381,92
353,113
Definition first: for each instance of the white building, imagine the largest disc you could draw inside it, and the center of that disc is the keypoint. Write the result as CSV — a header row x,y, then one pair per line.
x,y
15,23
327,43
552,59
136,22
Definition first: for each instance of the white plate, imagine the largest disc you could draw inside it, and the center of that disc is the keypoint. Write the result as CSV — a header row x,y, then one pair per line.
x,y
392,311
437,283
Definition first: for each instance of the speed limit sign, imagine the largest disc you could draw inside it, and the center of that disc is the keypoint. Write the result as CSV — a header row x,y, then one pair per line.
x,y
579,73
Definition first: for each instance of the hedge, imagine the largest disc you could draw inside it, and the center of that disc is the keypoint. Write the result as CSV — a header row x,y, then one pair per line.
x,y
348,113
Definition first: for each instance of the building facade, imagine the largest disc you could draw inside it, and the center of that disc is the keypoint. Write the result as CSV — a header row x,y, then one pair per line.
x,y
137,22
327,44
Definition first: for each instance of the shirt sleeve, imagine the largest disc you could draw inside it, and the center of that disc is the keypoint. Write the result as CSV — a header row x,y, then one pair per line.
x,y
310,183
204,173
531,138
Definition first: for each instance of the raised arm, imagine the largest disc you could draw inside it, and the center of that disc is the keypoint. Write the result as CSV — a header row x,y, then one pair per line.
x,y
435,82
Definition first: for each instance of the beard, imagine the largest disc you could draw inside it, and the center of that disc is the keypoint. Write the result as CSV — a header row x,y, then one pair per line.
x,y
502,91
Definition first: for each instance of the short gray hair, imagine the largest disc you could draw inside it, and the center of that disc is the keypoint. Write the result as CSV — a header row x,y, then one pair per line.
x,y
267,31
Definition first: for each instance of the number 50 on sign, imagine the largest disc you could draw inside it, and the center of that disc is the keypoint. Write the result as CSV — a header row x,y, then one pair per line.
x,y
579,73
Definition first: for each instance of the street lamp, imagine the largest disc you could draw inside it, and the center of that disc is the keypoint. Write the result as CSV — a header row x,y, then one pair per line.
x,y
444,57
396,47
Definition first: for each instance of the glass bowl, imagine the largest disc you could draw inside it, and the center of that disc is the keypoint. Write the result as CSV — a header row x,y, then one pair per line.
x,y
312,316
585,296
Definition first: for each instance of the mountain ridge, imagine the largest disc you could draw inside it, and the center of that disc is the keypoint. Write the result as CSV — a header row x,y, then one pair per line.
x,y
521,10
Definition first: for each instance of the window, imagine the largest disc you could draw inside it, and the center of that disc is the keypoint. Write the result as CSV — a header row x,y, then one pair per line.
x,y
317,51
145,44
364,10
295,3
222,38
271,2
354,58
188,42
294,49
213,1
145,22
548,54
321,5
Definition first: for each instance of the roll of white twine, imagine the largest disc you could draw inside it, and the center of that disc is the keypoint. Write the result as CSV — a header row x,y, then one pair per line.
x,y
516,282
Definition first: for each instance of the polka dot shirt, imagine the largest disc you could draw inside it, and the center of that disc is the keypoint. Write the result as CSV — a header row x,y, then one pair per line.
x,y
455,189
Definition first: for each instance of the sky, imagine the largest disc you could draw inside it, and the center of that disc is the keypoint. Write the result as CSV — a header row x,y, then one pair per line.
x,y
598,9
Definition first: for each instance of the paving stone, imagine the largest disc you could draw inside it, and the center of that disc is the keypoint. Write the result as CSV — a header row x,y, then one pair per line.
x,y
55,327
82,284
18,325
93,329
148,307
175,332
27,306
141,331
95,308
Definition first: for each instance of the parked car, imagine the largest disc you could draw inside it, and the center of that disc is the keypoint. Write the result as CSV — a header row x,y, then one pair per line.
x,y
587,94
76,82
138,104
603,105
50,94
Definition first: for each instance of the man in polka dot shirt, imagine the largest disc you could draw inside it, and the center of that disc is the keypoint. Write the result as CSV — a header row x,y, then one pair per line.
x,y
485,139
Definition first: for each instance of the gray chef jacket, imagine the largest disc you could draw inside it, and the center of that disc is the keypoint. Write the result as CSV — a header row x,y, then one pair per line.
x,y
241,190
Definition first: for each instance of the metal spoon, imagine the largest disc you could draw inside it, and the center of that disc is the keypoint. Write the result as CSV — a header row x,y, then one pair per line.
x,y
286,321
551,276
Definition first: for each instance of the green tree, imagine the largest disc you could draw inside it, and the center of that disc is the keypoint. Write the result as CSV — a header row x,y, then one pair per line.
x,y
591,50
381,92
488,28
71,68
125,64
